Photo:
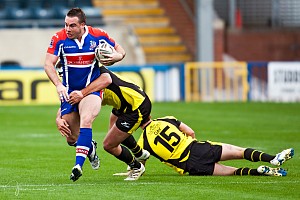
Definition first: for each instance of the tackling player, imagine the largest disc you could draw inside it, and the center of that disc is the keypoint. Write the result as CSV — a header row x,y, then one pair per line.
x,y
75,46
131,108
174,143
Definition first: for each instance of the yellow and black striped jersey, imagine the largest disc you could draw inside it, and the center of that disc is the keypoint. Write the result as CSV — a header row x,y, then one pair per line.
x,y
122,94
163,139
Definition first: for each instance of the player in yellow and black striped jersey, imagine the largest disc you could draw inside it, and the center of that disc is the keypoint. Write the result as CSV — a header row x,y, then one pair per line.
x,y
131,108
174,143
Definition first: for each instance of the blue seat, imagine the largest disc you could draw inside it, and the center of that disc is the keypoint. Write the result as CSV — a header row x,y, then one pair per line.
x,y
91,12
42,13
60,12
3,14
81,3
18,13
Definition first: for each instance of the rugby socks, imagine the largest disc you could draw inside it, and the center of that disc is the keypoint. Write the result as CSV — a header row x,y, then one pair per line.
x,y
245,171
255,156
128,158
83,145
131,143
75,144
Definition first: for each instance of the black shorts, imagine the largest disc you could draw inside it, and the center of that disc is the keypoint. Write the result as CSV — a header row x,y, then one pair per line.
x,y
130,120
203,156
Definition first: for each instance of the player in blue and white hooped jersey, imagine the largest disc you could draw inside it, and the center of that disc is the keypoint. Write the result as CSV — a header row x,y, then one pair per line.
x,y
75,46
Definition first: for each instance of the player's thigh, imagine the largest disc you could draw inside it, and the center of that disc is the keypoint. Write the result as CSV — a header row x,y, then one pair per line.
x,y
89,108
112,120
73,120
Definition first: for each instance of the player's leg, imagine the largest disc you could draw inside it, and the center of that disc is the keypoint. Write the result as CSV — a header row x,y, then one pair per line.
x,y
130,142
112,145
230,152
112,120
140,154
222,170
89,108
255,156
139,116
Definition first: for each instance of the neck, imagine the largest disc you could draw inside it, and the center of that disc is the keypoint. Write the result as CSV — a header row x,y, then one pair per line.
x,y
80,37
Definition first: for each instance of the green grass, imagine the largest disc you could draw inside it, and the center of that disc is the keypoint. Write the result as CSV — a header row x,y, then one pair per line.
x,y
35,162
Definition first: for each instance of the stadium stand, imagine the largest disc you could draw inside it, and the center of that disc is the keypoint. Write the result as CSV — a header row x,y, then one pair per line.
x,y
158,39
43,13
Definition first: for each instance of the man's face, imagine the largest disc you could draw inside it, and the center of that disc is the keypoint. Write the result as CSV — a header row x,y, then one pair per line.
x,y
73,28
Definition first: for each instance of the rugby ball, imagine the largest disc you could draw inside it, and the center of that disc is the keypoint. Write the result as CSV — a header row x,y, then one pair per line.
x,y
103,48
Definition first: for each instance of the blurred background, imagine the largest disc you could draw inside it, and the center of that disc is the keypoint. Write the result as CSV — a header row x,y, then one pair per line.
x,y
179,50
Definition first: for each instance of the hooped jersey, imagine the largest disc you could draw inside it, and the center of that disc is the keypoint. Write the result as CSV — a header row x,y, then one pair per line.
x,y
122,94
163,139
78,57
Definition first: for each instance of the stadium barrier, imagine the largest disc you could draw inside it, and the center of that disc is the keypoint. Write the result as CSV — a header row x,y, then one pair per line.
x,y
274,81
31,86
258,81
216,81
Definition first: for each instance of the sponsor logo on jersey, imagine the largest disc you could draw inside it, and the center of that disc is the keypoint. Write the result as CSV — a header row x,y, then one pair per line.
x,y
69,47
80,60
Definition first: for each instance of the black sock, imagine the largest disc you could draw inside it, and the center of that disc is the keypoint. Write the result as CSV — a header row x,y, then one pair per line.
x,y
128,158
131,143
245,171
255,156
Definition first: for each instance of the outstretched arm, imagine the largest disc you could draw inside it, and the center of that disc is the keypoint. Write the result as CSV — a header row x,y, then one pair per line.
x,y
186,129
100,83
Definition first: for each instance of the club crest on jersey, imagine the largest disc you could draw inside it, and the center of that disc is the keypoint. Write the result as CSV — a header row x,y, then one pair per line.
x,y
93,45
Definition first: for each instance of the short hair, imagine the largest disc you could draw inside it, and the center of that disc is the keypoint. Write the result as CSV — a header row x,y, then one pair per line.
x,y
77,12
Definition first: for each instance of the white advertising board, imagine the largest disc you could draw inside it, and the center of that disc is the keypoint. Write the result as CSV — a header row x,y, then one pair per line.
x,y
284,81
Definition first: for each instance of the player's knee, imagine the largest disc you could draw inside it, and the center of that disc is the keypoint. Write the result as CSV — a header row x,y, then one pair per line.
x,y
106,146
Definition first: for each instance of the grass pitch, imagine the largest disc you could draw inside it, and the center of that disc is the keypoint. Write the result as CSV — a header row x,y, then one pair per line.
x,y
36,162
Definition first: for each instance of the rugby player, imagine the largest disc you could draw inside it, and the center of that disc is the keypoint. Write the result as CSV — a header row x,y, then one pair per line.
x,y
174,143
131,108
75,46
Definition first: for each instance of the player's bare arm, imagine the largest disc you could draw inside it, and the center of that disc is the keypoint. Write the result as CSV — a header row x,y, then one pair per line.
x,y
62,125
187,130
100,83
117,55
49,68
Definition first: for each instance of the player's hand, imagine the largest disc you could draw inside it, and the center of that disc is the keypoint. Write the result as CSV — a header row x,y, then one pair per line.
x,y
110,59
62,92
75,97
63,127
